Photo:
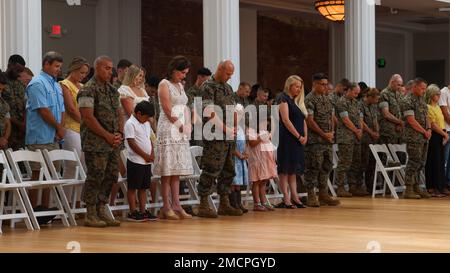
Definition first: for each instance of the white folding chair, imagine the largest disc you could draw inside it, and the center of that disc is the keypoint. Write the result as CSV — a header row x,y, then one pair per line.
x,y
382,167
121,204
76,182
401,148
44,181
192,180
335,164
16,191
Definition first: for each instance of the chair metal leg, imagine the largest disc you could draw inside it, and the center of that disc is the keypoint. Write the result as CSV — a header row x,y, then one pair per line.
x,y
23,210
29,208
65,205
60,207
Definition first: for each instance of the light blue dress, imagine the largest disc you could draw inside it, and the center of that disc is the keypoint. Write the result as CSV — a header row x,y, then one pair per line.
x,y
240,166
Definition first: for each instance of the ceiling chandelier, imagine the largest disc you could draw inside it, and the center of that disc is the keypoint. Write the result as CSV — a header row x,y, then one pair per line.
x,y
333,10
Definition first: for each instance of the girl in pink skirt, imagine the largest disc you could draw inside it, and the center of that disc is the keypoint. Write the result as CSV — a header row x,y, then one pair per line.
x,y
261,166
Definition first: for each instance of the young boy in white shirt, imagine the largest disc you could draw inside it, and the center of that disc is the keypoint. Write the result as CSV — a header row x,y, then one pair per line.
x,y
140,156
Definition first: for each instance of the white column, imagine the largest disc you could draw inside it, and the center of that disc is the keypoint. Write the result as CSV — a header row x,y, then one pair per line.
x,y
337,52
360,41
221,35
21,32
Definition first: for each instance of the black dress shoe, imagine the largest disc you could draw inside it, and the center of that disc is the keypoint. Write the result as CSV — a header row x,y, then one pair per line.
x,y
282,205
299,205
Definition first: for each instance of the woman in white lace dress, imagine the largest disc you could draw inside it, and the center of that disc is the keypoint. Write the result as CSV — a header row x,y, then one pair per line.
x,y
173,157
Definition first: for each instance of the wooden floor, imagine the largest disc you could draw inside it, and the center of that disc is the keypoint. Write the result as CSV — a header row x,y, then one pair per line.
x,y
359,225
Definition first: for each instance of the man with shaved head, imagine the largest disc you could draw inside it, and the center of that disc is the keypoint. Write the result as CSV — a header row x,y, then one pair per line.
x,y
217,161
391,123
101,137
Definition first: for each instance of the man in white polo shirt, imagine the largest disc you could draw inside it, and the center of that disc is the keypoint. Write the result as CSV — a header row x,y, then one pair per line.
x,y
444,103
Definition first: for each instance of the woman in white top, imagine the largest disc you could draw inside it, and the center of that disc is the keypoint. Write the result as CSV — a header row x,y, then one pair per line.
x,y
173,157
131,93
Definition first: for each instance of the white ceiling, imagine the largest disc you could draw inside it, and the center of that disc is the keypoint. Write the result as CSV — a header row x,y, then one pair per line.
x,y
418,15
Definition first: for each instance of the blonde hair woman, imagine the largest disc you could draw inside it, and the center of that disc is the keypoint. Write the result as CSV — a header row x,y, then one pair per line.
x,y
78,69
293,138
132,91
435,166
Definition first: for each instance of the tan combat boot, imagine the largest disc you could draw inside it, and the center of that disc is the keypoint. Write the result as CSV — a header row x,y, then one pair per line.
x,y
326,200
358,191
226,209
204,210
410,194
92,218
312,199
341,192
422,193
101,210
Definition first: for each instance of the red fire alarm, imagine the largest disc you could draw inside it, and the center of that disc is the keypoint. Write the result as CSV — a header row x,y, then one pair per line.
x,y
56,31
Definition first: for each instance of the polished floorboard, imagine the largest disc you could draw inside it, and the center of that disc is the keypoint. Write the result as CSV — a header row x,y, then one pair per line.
x,y
360,225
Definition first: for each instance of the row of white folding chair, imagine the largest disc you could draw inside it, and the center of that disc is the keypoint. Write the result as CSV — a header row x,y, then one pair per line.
x,y
16,191
45,181
383,169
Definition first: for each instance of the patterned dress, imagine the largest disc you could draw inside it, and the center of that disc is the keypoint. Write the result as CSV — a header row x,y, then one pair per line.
x,y
173,157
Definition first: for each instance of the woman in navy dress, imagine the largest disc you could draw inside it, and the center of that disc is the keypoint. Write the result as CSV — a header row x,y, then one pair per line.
x,y
293,138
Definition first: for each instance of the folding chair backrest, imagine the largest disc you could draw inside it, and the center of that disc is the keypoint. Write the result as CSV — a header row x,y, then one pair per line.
x,y
398,148
64,155
196,151
27,156
7,176
124,156
381,149
335,156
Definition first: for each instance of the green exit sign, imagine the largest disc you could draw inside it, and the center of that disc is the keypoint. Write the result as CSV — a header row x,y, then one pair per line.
x,y
381,63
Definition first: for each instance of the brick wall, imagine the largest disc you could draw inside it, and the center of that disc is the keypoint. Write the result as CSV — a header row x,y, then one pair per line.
x,y
170,28
289,45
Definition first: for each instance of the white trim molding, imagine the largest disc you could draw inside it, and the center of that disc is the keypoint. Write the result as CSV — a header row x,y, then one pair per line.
x,y
21,32
360,41
222,35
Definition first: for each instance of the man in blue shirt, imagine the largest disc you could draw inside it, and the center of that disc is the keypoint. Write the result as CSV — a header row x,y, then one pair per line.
x,y
45,109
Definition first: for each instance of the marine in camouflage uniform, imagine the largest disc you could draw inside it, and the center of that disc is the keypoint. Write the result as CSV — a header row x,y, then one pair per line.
x,y
370,113
349,148
102,160
4,117
417,144
217,161
334,98
390,133
192,93
319,151
14,95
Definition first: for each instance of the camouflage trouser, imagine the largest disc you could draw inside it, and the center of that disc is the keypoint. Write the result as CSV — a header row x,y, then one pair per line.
x,y
319,164
349,165
417,154
102,172
367,166
217,163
